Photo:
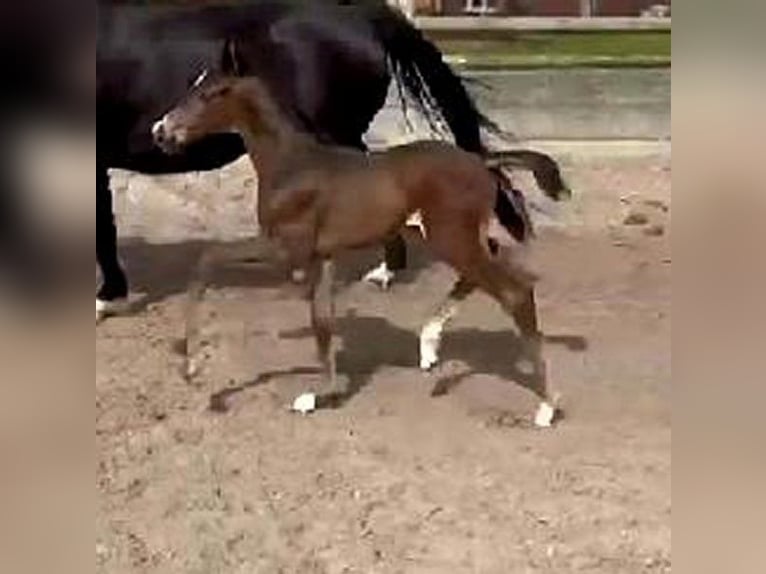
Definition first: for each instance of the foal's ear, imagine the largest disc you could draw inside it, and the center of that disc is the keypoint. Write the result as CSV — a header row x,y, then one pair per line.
x,y
231,59
200,79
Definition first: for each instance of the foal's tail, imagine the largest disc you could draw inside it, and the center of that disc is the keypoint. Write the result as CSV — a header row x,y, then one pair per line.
x,y
436,90
510,205
511,208
543,167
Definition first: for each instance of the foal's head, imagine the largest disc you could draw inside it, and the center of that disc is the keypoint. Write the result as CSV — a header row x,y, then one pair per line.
x,y
215,104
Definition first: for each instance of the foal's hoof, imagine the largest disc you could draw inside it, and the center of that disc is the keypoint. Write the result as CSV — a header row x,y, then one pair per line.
x,y
547,413
380,276
544,416
305,403
106,309
429,357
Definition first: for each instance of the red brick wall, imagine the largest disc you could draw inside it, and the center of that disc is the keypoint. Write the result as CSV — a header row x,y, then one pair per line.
x,y
557,7
624,7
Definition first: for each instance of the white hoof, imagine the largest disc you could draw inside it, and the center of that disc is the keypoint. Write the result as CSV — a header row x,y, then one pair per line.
x,y
545,415
380,276
110,308
298,275
305,403
430,340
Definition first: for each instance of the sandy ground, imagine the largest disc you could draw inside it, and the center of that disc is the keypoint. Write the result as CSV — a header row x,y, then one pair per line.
x,y
416,473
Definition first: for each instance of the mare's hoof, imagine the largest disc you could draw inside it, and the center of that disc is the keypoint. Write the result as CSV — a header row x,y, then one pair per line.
x,y
106,309
380,276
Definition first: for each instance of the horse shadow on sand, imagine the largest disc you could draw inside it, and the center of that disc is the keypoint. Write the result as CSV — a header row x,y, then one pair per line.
x,y
373,343
159,271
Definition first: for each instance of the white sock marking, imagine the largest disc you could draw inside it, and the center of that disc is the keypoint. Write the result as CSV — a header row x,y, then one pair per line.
x,y
415,220
108,308
381,276
431,335
430,341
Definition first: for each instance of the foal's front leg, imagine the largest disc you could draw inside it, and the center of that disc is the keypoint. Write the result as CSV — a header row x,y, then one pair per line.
x,y
259,249
323,323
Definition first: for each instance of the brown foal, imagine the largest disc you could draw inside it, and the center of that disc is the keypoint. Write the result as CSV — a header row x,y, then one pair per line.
x,y
316,200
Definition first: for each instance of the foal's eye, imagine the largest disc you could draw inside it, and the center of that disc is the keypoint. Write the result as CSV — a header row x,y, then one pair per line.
x,y
216,92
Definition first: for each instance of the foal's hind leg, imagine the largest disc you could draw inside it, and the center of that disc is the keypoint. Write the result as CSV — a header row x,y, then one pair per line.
x,y
465,246
518,301
525,315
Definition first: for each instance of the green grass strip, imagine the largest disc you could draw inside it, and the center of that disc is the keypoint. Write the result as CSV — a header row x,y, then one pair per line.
x,y
558,49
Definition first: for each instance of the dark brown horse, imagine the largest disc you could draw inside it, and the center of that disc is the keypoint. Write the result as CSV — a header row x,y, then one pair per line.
x,y
316,200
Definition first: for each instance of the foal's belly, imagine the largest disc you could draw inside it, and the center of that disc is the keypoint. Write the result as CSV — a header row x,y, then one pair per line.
x,y
366,217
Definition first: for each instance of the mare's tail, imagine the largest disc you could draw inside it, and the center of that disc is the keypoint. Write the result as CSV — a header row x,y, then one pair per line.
x,y
436,90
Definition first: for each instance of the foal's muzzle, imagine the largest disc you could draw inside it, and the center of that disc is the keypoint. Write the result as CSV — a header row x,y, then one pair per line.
x,y
166,139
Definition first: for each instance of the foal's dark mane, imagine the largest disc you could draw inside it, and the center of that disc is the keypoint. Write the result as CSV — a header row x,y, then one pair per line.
x,y
272,116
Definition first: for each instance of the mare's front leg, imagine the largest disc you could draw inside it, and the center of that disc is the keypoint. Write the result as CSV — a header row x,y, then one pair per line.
x,y
113,294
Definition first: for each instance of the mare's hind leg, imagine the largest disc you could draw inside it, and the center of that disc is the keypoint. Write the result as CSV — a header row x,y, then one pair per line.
x,y
431,334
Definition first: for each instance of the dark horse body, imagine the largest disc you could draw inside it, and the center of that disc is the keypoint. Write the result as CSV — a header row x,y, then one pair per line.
x,y
328,63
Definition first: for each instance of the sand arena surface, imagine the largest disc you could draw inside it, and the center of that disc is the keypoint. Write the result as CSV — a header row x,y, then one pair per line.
x,y
437,473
